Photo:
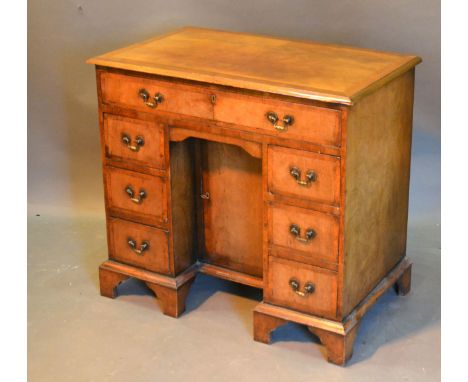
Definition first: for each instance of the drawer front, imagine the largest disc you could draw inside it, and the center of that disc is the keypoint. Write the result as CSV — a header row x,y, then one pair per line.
x,y
313,124
304,174
313,235
129,139
124,90
131,194
301,287
139,245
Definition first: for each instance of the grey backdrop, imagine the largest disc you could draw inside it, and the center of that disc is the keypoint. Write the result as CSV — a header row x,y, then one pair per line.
x,y
64,172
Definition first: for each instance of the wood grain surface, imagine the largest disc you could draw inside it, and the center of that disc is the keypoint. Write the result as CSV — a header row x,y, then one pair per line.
x,y
177,98
151,153
305,69
323,247
155,258
313,124
377,187
233,213
153,207
324,189
322,302
183,206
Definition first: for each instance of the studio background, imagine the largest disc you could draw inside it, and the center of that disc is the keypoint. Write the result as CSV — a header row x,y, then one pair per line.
x,y
65,190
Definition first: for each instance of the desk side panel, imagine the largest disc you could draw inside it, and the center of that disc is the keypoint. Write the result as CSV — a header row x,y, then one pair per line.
x,y
182,175
378,157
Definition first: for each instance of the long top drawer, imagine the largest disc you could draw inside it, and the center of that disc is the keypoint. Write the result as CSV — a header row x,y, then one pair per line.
x,y
256,113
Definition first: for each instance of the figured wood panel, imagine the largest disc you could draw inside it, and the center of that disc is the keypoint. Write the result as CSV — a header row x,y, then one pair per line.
x,y
183,204
183,126
377,185
296,68
151,153
123,90
179,134
313,124
325,188
322,302
153,208
232,215
323,247
155,258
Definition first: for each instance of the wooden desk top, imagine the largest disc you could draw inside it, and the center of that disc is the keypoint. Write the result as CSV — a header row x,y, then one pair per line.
x,y
329,73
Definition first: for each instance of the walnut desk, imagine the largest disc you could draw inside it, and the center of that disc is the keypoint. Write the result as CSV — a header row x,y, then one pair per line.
x,y
279,164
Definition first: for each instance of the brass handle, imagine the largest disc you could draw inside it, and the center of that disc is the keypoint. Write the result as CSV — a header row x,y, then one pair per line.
x,y
139,142
310,177
133,245
131,193
205,195
309,287
287,120
295,230
145,96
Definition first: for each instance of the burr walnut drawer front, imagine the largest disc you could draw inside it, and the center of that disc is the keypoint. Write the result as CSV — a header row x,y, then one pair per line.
x,y
304,235
152,95
139,245
304,174
302,287
280,118
136,196
127,139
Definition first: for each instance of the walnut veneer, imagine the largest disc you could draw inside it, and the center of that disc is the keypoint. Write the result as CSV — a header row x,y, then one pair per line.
x,y
279,164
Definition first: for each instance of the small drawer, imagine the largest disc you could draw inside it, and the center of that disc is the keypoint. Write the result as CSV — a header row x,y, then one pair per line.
x,y
306,123
139,245
129,139
135,195
312,235
304,175
150,95
301,287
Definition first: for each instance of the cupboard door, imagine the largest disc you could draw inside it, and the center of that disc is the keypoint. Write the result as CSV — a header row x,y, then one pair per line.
x,y
232,208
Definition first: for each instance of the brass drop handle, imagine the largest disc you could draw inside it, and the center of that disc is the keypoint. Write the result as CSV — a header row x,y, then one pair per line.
x,y
309,287
145,96
310,176
133,245
295,230
131,193
287,120
139,142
